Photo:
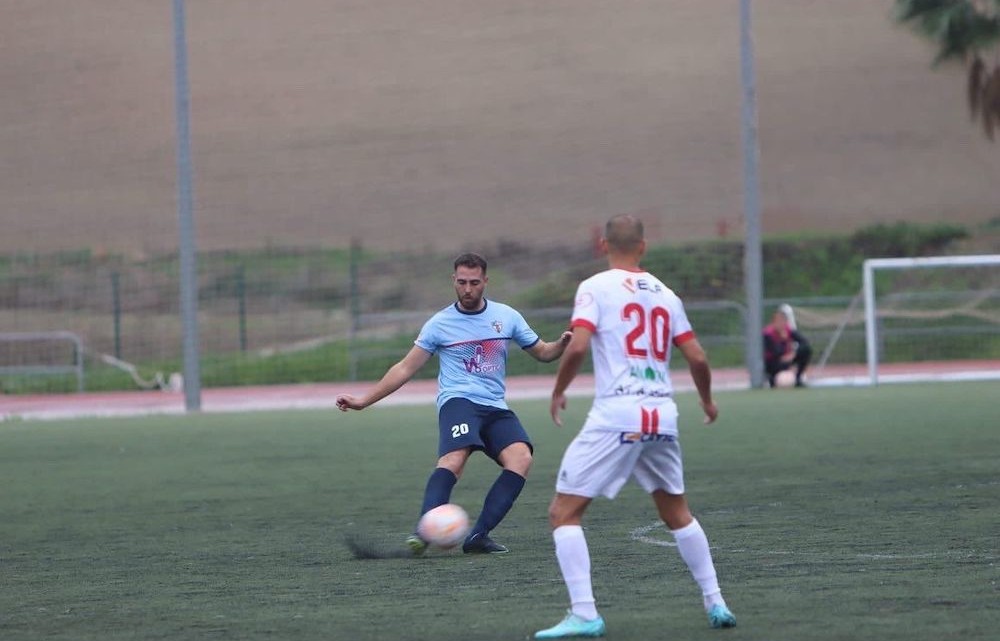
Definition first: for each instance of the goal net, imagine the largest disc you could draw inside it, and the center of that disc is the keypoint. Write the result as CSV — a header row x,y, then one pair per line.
x,y
933,318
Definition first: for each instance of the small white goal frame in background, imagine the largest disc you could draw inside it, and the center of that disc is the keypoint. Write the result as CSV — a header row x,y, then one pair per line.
x,y
74,366
873,264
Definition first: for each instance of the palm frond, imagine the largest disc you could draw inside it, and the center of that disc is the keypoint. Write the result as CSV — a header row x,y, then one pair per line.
x,y
990,103
963,30
908,10
977,71
959,27
928,17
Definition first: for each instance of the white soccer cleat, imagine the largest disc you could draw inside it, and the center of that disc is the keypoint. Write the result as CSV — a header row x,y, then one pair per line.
x,y
573,626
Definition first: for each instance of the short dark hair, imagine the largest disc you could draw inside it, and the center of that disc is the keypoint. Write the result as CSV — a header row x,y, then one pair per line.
x,y
471,260
624,232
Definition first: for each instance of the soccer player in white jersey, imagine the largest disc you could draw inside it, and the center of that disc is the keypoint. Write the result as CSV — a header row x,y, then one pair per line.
x,y
470,336
631,321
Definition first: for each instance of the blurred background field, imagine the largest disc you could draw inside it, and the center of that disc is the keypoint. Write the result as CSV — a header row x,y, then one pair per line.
x,y
833,513
345,151
453,123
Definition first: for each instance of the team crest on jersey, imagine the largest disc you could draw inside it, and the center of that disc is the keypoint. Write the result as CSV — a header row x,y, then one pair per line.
x,y
497,326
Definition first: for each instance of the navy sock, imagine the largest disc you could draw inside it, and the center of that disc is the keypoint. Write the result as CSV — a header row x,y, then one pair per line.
x,y
498,501
438,491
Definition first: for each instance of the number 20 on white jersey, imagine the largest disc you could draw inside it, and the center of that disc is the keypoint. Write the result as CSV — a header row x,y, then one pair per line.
x,y
635,319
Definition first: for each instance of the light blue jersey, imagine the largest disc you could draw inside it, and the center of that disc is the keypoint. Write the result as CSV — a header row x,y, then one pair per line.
x,y
472,347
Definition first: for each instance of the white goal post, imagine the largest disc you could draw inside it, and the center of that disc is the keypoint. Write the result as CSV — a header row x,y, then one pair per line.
x,y
871,313
44,354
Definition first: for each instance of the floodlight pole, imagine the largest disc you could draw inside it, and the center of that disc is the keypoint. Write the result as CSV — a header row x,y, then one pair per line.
x,y
752,253
185,216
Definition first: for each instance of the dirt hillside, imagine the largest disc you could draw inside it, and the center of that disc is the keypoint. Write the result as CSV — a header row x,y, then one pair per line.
x,y
443,122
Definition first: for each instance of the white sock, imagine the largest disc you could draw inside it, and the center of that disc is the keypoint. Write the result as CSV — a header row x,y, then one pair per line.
x,y
693,546
574,561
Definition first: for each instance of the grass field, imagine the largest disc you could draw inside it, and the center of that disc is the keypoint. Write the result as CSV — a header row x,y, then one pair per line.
x,y
833,514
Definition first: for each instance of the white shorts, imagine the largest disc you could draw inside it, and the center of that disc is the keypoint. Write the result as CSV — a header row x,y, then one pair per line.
x,y
598,463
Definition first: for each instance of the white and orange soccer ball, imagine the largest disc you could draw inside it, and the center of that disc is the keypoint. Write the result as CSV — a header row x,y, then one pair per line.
x,y
444,526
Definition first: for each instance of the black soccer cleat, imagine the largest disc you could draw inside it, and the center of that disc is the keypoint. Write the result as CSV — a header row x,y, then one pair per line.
x,y
479,543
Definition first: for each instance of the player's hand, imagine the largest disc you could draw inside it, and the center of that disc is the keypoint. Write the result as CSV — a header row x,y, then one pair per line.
x,y
711,412
557,405
347,402
566,337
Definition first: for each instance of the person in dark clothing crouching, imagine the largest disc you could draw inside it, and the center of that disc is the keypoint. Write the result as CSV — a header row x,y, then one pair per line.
x,y
785,347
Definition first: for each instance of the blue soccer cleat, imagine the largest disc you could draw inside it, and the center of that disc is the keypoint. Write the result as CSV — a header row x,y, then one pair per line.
x,y
720,617
573,626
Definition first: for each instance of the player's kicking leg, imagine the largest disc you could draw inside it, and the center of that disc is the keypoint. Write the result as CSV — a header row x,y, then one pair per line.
x,y
438,490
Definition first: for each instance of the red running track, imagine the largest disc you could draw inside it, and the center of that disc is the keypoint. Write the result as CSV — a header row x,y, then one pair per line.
x,y
323,395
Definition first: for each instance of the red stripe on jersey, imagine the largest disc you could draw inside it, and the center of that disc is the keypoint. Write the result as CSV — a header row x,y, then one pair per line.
x,y
479,340
584,323
680,339
650,421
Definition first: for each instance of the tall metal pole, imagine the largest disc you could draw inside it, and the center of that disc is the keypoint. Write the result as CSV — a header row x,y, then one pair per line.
x,y
752,255
185,208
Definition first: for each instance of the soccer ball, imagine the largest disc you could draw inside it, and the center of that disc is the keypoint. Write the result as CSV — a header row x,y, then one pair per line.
x,y
444,526
785,379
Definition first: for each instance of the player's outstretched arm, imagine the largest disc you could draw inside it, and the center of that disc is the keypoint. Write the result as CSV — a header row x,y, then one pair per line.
x,y
569,366
548,352
701,373
394,378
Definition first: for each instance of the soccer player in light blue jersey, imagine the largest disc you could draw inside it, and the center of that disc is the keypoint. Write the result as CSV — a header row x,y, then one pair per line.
x,y
470,337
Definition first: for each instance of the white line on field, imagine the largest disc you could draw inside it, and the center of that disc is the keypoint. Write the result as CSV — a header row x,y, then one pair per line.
x,y
641,535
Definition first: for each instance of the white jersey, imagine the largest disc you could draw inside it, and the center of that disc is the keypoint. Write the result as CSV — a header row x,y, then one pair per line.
x,y
635,320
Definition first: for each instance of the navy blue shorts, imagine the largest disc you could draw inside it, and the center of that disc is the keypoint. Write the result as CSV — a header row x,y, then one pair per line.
x,y
463,423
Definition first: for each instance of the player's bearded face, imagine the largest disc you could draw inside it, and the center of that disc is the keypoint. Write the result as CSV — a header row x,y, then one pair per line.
x,y
470,283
